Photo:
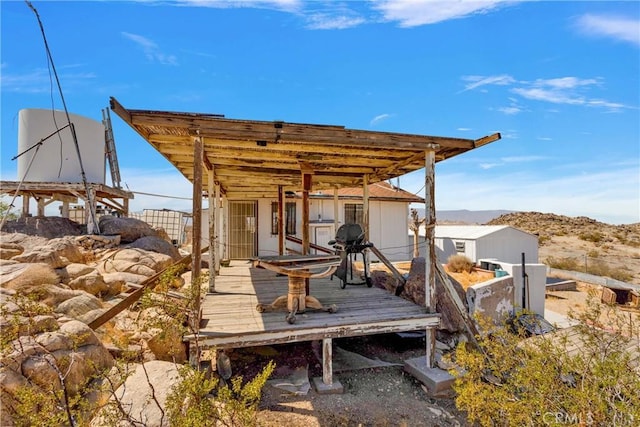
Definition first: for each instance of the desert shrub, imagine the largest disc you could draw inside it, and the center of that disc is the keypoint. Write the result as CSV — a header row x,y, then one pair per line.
x,y
593,253
591,236
459,264
592,266
543,239
600,268
191,403
539,381
564,263
6,210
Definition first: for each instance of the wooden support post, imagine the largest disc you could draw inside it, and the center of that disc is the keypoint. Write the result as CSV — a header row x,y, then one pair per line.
x,y
198,157
64,212
306,187
90,211
225,239
25,205
280,219
430,255
365,219
41,205
327,361
216,231
211,228
336,210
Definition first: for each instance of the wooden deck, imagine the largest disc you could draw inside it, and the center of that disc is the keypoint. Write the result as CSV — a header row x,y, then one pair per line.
x,y
230,318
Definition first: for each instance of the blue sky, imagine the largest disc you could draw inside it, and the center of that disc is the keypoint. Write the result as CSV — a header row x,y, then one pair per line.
x,y
560,80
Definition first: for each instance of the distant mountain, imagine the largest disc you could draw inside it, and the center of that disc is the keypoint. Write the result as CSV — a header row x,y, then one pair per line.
x,y
464,216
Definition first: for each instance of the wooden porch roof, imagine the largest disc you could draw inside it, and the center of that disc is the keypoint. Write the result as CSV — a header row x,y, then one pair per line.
x,y
252,158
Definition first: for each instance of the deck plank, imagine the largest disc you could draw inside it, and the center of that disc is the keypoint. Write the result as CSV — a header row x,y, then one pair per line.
x,y
230,318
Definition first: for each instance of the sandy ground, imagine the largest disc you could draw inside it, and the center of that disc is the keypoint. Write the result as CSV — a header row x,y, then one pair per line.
x,y
375,396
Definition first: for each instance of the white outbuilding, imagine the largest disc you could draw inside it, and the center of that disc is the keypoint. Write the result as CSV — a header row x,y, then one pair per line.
x,y
501,242
477,242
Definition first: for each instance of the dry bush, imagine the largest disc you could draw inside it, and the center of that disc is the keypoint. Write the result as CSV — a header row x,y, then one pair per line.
x,y
35,276
459,264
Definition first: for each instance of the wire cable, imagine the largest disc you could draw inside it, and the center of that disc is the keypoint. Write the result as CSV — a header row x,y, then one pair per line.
x,y
90,200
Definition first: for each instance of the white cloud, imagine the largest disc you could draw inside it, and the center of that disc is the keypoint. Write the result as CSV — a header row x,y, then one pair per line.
x,y
478,81
508,160
569,90
379,118
464,129
40,81
510,110
151,49
283,5
544,138
619,28
327,21
411,13
566,82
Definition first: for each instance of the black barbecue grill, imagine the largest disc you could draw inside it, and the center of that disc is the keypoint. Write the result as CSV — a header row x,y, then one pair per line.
x,y
348,243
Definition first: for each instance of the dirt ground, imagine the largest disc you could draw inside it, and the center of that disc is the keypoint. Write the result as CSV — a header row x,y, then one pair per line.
x,y
381,396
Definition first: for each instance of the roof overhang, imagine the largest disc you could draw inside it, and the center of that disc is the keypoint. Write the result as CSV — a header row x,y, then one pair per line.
x,y
251,159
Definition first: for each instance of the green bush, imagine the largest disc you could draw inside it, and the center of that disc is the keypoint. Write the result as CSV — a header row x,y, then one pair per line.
x,y
540,381
191,403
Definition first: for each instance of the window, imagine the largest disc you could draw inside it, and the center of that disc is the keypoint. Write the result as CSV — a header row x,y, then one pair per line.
x,y
459,246
274,218
353,213
289,215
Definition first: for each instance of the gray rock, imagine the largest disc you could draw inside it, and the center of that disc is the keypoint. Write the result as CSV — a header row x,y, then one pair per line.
x,y
8,250
92,283
73,271
156,244
142,389
129,229
79,305
48,226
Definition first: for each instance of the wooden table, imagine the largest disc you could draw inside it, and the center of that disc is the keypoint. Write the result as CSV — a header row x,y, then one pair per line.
x,y
298,268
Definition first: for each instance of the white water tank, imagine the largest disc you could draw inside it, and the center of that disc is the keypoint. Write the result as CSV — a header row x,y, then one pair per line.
x,y
57,158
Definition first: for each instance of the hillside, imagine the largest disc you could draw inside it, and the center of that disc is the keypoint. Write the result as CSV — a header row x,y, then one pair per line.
x,y
581,243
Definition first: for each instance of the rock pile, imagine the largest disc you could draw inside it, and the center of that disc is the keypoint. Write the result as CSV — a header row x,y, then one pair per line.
x,y
54,282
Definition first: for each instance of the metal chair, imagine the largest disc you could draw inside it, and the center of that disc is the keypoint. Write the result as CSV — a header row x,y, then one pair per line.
x,y
349,242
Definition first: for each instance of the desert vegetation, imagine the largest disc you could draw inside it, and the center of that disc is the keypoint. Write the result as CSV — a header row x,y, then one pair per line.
x,y
551,380
55,370
582,244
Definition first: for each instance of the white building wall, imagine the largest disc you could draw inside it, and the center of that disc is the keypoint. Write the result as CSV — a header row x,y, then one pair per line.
x,y
388,230
388,222
507,245
267,242
537,281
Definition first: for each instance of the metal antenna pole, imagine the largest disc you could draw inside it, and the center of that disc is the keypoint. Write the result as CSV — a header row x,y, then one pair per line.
x,y
72,127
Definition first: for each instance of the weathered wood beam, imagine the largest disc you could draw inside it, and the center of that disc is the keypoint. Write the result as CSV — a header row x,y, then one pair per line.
x,y
486,140
198,157
430,253
281,228
212,225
